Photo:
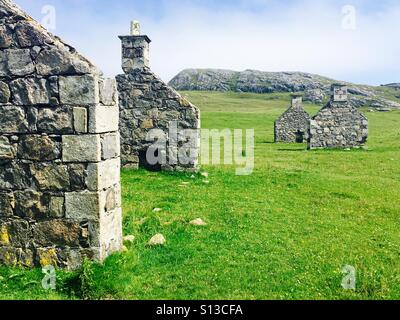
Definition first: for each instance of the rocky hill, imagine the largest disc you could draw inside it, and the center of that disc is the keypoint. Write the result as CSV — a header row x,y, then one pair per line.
x,y
316,88
392,85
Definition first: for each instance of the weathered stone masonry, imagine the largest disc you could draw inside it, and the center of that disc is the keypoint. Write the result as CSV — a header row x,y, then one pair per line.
x,y
293,125
59,150
147,103
338,124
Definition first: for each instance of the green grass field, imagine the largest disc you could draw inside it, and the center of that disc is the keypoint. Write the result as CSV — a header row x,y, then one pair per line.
x,y
284,232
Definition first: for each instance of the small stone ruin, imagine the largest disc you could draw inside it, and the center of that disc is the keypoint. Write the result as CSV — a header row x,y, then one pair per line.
x,y
293,125
338,124
60,198
152,111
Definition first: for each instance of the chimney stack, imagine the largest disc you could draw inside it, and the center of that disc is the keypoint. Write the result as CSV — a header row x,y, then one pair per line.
x,y
135,49
339,93
297,100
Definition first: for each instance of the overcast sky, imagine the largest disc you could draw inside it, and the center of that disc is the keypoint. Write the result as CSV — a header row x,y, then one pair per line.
x,y
318,36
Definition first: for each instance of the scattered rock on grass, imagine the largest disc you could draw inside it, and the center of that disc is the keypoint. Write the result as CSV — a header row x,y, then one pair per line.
x,y
129,238
205,174
198,222
157,240
157,209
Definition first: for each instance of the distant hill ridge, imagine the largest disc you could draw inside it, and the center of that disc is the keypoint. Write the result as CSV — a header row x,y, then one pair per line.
x,y
316,88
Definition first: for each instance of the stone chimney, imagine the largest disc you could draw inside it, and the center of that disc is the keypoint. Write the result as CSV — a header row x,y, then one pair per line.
x,y
135,49
297,100
339,93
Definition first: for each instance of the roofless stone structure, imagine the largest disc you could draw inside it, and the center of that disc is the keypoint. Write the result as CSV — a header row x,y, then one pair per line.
x,y
150,110
59,150
338,124
293,125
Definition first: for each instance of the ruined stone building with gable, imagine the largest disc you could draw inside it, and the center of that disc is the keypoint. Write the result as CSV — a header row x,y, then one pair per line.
x,y
150,110
338,124
60,195
293,125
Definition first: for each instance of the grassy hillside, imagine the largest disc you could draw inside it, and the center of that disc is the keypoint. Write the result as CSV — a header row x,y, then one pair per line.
x,y
284,232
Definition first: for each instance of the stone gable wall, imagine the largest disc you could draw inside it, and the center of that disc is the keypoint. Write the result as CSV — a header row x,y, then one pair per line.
x,y
292,125
60,195
148,104
338,125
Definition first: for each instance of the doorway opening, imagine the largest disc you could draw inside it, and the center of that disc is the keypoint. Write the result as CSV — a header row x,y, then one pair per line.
x,y
144,164
299,137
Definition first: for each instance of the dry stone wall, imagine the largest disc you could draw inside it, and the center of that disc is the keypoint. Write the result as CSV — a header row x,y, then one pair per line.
x,y
293,125
148,105
338,124
60,195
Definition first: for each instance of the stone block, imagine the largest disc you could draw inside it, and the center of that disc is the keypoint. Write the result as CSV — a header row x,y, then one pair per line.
x,y
5,37
80,120
38,147
60,61
103,175
19,62
110,146
48,257
13,120
38,206
110,200
77,176
55,120
15,176
111,238
5,92
30,91
147,124
7,150
103,119
118,195
68,258
30,204
16,233
57,232
50,176
79,90
82,205
82,148
29,35
3,64
16,257
56,206
75,257
92,228
108,92
7,204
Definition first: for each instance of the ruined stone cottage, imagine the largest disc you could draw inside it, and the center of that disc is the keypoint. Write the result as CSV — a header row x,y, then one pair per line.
x,y
293,125
153,113
338,124
59,150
